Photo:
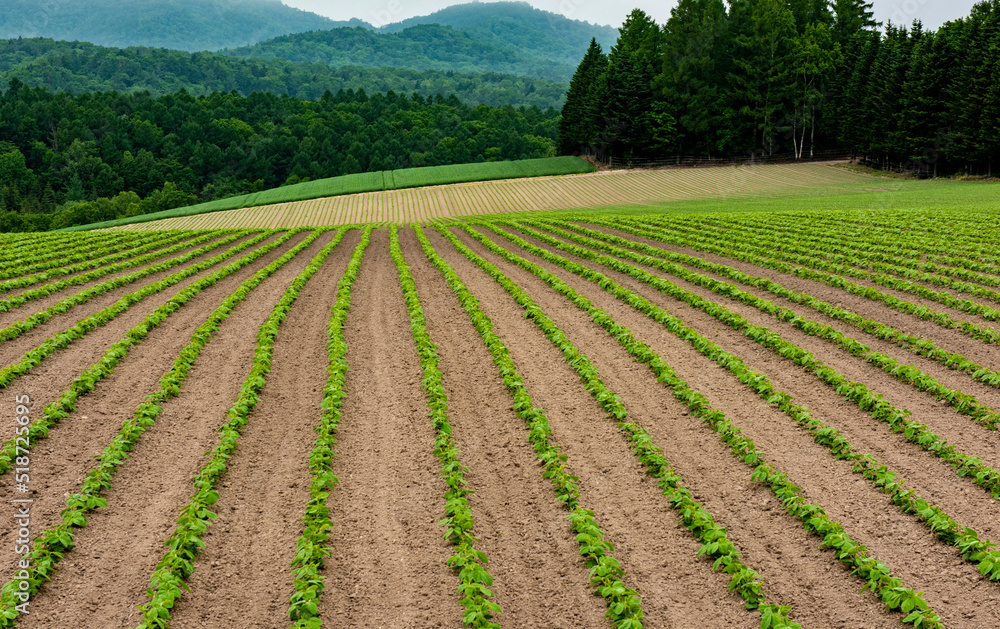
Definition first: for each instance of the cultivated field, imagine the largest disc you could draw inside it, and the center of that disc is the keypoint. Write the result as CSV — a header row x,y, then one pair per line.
x,y
664,420
592,190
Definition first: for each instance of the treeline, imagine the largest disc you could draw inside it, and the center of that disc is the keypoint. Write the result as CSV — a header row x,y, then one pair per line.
x,y
792,76
81,67
73,159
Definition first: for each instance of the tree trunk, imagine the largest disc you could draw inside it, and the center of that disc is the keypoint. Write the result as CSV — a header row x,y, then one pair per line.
x,y
812,130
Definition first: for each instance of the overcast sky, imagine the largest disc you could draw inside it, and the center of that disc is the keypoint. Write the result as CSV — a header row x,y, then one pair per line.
x,y
932,13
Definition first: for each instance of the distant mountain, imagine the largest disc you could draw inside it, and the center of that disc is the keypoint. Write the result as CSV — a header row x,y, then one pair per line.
x,y
506,37
81,67
519,25
179,24
420,47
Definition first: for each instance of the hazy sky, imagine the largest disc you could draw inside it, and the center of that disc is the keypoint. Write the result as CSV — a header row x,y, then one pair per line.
x,y
932,13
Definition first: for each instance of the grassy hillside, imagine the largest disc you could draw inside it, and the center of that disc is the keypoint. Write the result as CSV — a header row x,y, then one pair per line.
x,y
179,24
763,187
368,182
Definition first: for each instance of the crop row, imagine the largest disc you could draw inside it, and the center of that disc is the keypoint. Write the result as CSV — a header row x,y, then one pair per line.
x,y
907,252
840,270
607,575
908,374
168,580
15,301
53,543
140,247
745,581
876,574
29,250
829,250
61,408
59,257
964,464
474,579
61,340
311,547
965,539
911,342
982,333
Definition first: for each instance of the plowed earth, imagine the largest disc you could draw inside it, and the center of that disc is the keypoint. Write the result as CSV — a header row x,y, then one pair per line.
x,y
388,563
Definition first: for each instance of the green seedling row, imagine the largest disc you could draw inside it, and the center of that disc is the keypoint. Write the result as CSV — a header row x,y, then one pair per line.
x,y
50,547
311,547
909,374
948,530
607,575
87,381
42,291
169,580
471,563
911,342
876,574
745,581
964,464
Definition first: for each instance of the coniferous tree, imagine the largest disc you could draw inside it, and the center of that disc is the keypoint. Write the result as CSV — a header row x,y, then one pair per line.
x,y
635,122
762,78
851,18
580,122
691,79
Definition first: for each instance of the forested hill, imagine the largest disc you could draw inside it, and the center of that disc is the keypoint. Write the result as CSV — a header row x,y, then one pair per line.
x,y
68,160
178,24
79,67
421,47
793,76
545,35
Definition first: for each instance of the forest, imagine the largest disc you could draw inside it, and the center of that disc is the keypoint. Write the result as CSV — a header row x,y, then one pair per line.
x,y
760,77
81,67
74,159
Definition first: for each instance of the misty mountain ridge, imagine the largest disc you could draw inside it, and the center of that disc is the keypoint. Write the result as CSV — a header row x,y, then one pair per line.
x,y
502,37
189,25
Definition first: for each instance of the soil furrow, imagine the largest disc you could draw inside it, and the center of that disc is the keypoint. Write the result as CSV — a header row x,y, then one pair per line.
x,y
17,291
388,566
987,395
38,305
613,483
952,340
539,579
107,575
244,577
13,350
904,544
933,478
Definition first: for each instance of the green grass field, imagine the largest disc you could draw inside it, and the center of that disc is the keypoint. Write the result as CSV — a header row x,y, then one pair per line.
x,y
870,194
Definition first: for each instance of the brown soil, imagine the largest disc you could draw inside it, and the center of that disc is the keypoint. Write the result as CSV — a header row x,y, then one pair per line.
x,y
18,291
244,575
767,536
38,305
107,575
389,560
952,340
538,578
953,587
13,350
388,566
